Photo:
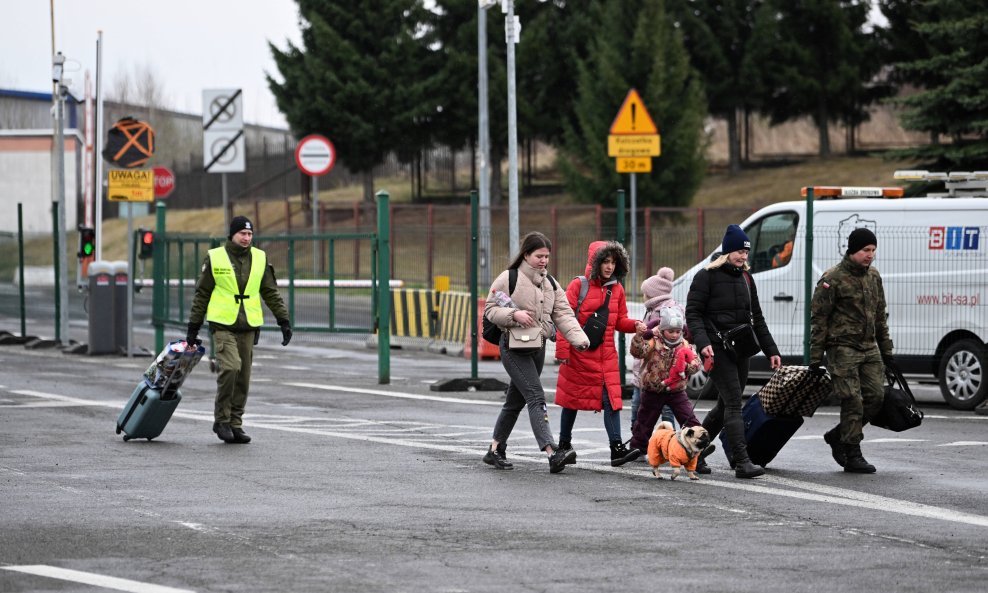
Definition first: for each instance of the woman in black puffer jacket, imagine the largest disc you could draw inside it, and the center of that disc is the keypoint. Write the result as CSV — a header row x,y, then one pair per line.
x,y
722,297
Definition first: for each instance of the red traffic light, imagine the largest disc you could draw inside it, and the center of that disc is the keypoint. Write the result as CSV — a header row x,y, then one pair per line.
x,y
146,247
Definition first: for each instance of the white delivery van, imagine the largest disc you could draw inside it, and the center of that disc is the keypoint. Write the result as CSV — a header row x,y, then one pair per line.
x,y
933,257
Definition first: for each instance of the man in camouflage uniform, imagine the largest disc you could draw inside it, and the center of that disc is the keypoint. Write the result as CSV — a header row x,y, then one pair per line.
x,y
235,278
850,322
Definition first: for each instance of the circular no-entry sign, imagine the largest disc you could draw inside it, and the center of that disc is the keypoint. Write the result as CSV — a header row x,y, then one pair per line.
x,y
164,182
315,155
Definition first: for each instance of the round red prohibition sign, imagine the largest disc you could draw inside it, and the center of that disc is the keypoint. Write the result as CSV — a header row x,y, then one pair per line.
x,y
164,182
315,155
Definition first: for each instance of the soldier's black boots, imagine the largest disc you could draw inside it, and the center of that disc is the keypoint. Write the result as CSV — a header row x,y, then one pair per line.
x,y
856,462
746,469
224,432
239,436
832,438
621,454
568,446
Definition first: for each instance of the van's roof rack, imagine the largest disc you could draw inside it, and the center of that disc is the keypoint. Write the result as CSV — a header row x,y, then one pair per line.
x,y
970,183
831,191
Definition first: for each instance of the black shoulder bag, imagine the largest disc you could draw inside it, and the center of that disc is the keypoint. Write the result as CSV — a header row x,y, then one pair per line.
x,y
899,411
596,324
740,342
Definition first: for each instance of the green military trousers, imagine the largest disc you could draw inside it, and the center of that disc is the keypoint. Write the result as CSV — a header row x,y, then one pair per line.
x,y
859,383
234,355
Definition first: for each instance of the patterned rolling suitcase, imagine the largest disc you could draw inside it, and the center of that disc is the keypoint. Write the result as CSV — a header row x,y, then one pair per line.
x,y
764,433
155,398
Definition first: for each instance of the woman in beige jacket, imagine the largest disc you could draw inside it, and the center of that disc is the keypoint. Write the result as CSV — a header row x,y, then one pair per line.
x,y
537,301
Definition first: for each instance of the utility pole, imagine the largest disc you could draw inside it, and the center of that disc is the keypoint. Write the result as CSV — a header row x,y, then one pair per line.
x,y
62,323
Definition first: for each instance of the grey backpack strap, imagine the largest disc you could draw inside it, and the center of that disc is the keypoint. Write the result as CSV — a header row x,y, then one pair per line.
x,y
584,288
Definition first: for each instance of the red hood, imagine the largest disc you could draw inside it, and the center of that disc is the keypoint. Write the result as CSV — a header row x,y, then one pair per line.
x,y
591,253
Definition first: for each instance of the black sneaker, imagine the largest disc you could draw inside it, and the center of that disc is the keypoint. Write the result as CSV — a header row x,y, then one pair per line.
x,y
239,436
498,459
560,459
568,446
224,432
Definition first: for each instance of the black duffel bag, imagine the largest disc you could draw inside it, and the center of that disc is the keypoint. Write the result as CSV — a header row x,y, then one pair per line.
x,y
899,411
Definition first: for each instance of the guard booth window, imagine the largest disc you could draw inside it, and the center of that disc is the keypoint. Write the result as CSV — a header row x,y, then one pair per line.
x,y
772,241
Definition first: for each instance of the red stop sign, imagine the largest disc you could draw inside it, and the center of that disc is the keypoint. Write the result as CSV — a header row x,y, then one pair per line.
x,y
164,182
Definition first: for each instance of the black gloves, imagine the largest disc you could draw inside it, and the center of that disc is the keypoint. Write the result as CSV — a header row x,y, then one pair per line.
x,y
192,333
286,331
889,360
817,368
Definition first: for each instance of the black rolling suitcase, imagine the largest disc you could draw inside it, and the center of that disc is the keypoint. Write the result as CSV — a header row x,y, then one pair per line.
x,y
157,395
765,433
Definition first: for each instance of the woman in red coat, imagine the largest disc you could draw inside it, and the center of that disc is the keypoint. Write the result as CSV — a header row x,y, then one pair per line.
x,y
590,380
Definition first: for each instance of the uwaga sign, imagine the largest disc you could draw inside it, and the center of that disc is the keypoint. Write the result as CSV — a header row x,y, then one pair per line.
x,y
130,185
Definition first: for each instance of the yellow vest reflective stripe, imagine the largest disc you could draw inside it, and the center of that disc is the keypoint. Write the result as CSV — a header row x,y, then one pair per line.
x,y
225,302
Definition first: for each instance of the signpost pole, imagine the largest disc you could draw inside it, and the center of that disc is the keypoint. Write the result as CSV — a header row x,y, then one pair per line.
x,y
131,265
634,233
315,225
226,202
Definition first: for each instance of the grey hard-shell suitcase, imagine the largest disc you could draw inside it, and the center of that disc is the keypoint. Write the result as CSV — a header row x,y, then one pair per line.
x,y
155,398
147,412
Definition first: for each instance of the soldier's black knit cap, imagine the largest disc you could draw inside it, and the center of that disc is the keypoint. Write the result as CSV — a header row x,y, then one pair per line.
x,y
859,239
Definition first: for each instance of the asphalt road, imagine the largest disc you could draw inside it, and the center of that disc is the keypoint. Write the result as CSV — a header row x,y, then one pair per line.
x,y
354,486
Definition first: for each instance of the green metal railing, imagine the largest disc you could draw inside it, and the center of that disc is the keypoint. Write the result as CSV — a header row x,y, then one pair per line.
x,y
319,298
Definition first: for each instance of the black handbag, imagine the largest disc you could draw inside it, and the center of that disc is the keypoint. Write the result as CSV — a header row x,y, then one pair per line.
x,y
596,325
740,342
899,411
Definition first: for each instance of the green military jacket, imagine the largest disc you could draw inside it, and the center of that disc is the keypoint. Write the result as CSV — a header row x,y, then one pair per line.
x,y
240,259
849,309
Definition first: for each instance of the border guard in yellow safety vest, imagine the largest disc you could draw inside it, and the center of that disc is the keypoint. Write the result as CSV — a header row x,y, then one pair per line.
x,y
235,278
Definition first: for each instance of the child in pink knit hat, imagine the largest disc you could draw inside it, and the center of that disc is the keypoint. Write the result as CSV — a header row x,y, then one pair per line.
x,y
657,291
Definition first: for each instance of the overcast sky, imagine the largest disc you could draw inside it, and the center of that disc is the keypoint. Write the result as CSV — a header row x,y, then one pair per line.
x,y
190,45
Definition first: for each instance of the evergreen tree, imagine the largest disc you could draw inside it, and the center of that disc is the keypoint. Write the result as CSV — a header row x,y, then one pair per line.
x,y
951,70
359,77
643,51
718,35
814,56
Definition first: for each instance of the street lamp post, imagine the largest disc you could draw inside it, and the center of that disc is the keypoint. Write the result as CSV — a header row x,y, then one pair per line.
x,y
512,35
61,89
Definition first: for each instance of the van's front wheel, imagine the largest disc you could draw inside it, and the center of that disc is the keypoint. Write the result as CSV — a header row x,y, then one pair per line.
x,y
962,374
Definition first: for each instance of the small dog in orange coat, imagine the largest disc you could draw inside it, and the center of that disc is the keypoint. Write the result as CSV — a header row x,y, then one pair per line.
x,y
680,448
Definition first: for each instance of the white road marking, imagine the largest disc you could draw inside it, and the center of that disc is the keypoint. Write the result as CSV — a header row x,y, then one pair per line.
x,y
813,492
91,578
397,394
892,440
964,444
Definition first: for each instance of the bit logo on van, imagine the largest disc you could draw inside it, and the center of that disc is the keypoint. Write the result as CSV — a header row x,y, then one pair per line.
x,y
955,238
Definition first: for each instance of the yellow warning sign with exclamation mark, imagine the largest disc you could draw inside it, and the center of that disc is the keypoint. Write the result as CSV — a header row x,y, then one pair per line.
x,y
633,118
633,135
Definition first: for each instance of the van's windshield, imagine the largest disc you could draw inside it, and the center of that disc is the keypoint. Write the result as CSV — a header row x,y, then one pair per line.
x,y
772,240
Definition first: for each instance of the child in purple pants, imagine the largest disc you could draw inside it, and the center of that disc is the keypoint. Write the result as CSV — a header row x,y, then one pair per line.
x,y
668,360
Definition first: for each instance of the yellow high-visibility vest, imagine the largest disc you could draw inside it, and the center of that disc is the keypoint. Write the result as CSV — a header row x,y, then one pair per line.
x,y
225,302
